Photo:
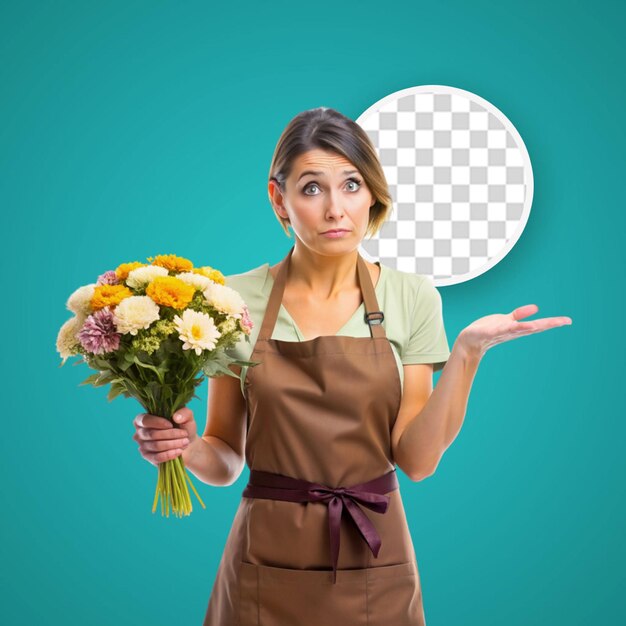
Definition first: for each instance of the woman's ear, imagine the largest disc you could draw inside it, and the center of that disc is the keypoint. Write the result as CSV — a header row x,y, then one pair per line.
x,y
280,210
276,196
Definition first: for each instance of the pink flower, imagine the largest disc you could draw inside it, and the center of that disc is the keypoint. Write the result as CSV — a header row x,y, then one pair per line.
x,y
108,278
246,321
99,334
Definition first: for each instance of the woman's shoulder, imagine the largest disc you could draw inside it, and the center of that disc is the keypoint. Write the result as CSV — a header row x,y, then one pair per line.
x,y
248,284
400,283
409,295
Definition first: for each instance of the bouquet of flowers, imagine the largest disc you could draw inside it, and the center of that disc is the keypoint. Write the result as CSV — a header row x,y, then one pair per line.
x,y
153,331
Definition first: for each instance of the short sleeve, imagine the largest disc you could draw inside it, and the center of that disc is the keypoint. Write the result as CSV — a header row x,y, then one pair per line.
x,y
427,341
242,349
249,286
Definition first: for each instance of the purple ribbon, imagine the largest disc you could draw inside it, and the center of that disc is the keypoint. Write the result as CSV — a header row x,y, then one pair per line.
x,y
370,494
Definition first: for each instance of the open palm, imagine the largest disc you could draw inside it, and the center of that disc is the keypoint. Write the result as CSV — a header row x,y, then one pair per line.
x,y
490,330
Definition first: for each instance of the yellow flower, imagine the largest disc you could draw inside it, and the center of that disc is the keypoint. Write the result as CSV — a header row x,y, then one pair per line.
x,y
215,275
109,295
124,269
172,262
170,291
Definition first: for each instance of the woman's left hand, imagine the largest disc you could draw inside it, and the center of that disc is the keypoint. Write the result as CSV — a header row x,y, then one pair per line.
x,y
490,330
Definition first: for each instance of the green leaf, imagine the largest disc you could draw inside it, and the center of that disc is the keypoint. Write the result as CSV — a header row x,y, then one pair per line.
x,y
213,367
124,365
246,363
117,388
105,378
90,379
159,372
129,356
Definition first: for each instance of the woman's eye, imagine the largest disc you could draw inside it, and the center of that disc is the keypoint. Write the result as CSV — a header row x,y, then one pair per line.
x,y
352,181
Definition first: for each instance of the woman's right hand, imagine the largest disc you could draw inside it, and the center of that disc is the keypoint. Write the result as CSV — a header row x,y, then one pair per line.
x,y
159,440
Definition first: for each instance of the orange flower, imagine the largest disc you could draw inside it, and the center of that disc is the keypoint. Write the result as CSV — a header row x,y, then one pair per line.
x,y
215,275
124,269
109,295
170,291
172,262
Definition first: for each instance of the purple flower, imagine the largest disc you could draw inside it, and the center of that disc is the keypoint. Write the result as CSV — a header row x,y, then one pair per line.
x,y
108,278
99,334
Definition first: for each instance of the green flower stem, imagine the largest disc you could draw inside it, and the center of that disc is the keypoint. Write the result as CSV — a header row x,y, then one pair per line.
x,y
157,491
173,490
168,492
173,486
180,490
182,464
168,487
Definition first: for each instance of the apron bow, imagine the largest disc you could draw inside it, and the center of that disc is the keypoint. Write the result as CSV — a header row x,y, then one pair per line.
x,y
370,494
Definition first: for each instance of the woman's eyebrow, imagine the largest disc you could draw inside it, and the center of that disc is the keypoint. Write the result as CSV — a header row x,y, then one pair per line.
x,y
345,173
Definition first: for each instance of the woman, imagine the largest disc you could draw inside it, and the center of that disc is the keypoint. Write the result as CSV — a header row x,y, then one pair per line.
x,y
341,394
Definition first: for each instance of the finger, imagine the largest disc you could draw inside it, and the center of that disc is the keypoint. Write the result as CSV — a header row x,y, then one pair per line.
x,y
184,415
145,420
150,434
538,326
524,311
161,457
164,446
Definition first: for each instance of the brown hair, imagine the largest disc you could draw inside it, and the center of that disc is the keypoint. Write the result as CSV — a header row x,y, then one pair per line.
x,y
327,129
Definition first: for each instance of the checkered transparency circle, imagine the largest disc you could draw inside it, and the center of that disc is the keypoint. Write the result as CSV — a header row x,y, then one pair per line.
x,y
460,178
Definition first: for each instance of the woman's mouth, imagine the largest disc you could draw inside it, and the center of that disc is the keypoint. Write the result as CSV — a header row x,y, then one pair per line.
x,y
334,234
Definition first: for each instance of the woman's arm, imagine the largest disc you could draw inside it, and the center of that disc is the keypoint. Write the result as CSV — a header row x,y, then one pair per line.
x,y
212,461
425,438
217,458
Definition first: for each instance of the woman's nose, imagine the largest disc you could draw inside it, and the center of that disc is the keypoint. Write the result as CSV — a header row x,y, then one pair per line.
x,y
333,205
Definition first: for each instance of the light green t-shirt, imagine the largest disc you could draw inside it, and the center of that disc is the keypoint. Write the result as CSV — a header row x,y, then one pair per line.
x,y
411,303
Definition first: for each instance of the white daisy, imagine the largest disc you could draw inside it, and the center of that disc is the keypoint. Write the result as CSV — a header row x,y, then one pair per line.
x,y
67,339
141,276
134,313
195,280
80,301
197,330
224,299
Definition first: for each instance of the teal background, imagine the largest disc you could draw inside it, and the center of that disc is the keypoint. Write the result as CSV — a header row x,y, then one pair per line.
x,y
131,129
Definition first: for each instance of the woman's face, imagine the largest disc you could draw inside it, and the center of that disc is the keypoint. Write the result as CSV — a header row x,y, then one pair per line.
x,y
325,191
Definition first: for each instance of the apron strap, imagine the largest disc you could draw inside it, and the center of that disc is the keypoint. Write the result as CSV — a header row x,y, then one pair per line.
x,y
373,317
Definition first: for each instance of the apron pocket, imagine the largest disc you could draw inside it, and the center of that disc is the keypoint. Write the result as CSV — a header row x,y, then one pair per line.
x,y
394,596
278,596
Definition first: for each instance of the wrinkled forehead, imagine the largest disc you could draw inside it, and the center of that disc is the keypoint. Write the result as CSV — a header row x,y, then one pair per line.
x,y
327,163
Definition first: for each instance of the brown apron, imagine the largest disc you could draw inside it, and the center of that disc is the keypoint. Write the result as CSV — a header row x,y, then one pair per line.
x,y
320,535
